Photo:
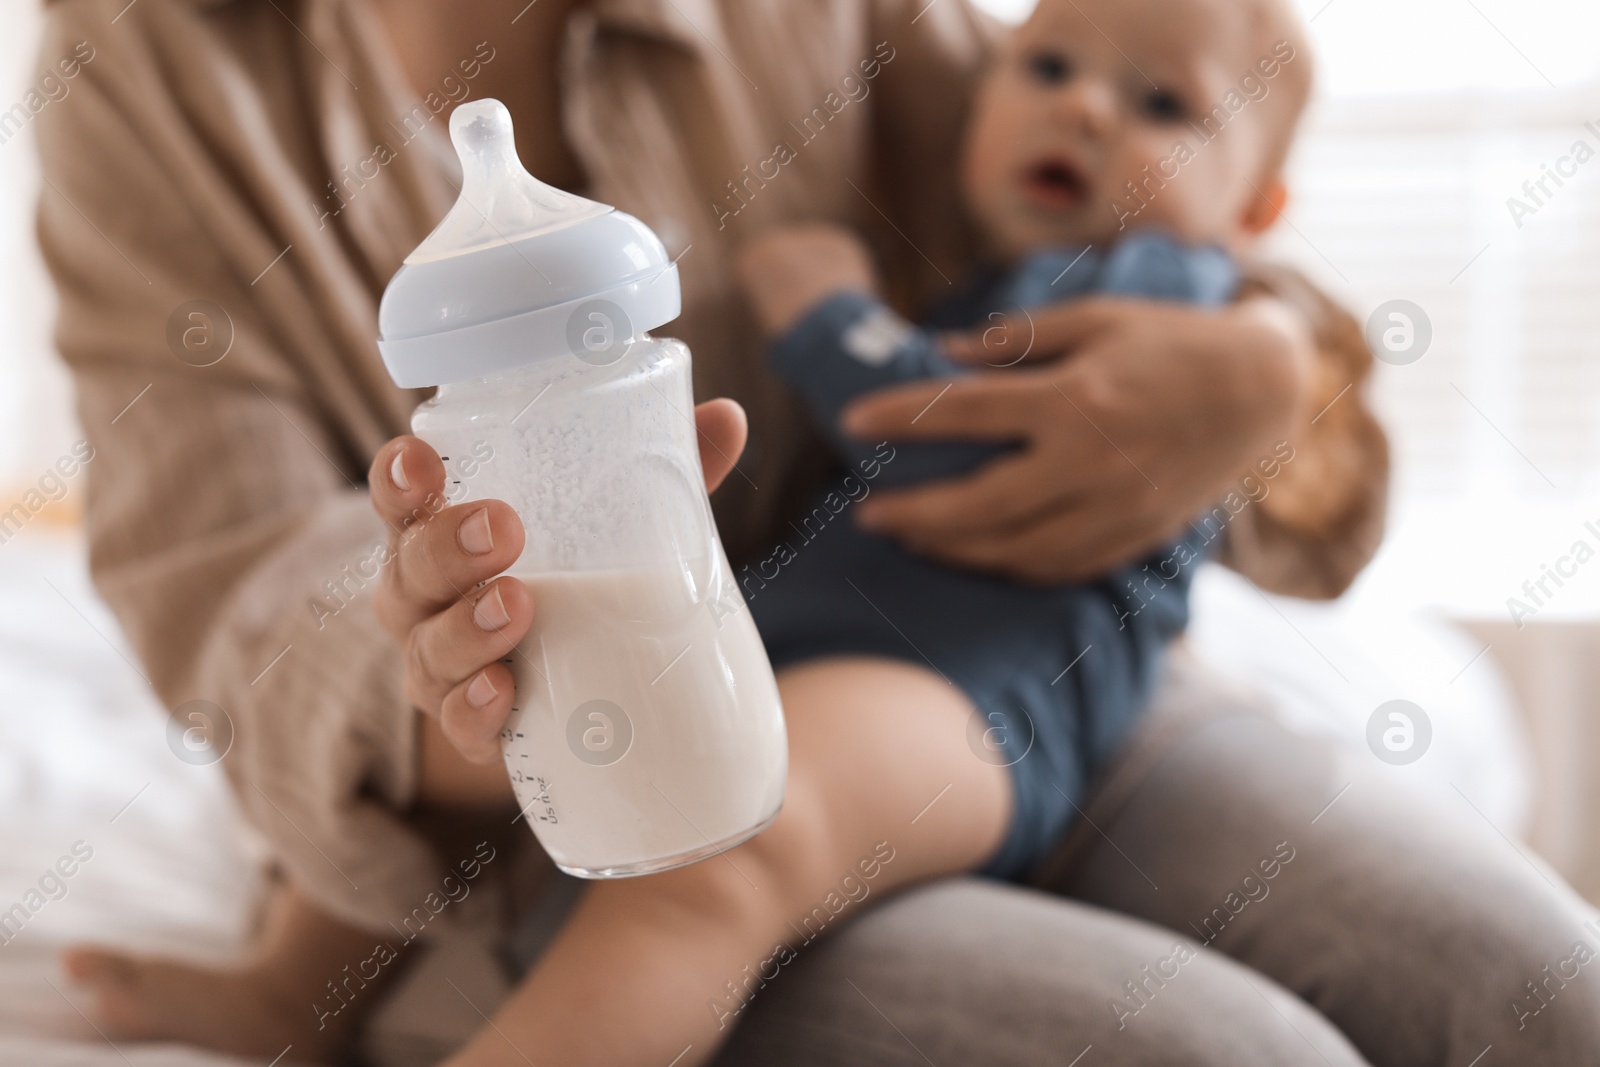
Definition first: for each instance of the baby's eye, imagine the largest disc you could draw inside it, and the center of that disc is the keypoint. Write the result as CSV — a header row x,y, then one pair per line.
x,y
1049,68
1163,105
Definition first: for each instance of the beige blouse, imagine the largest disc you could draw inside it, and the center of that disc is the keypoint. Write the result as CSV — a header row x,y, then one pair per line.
x,y
230,184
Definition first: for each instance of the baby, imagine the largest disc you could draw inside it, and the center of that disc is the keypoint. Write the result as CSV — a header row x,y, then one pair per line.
x,y
939,722
1090,170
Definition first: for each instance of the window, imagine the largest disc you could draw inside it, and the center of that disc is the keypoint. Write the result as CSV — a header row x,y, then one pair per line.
x,y
1432,116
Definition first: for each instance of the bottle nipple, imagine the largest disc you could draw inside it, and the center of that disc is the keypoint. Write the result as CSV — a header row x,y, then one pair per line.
x,y
499,201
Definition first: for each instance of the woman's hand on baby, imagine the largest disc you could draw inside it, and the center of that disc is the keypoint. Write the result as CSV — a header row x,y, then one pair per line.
x,y
788,270
1133,417
454,631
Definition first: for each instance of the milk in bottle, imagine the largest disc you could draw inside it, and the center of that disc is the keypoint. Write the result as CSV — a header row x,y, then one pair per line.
x,y
647,731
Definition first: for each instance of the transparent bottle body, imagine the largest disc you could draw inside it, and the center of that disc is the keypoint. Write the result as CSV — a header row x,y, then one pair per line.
x,y
647,731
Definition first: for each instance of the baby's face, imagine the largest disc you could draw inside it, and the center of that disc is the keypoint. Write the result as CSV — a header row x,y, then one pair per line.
x,y
1091,92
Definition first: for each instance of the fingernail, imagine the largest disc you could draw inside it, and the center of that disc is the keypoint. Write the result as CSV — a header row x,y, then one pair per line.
x,y
397,473
481,691
475,535
490,612
868,517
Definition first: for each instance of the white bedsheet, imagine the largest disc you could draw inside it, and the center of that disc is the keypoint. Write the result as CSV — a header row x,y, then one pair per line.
x,y
84,757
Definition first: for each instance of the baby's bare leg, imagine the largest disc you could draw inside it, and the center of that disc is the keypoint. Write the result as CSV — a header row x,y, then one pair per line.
x,y
878,761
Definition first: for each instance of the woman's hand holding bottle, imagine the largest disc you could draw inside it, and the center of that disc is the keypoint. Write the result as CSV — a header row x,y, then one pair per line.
x,y
429,599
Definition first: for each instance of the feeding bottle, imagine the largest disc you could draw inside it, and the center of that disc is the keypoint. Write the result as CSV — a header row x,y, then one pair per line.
x,y
646,731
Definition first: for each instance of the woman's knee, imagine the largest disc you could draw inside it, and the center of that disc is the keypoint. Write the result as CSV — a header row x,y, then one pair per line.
x,y
1539,997
1427,938
971,971
1412,924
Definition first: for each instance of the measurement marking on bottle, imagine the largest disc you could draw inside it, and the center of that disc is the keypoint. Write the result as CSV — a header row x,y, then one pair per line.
x,y
540,787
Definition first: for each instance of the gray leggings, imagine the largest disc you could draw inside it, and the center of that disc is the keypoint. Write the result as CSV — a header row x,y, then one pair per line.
x,y
1212,908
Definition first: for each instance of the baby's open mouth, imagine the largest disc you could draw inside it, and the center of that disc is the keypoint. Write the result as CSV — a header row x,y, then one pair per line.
x,y
1056,183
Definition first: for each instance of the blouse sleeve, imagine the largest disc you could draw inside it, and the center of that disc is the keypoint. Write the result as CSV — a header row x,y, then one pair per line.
x,y
228,526
1323,517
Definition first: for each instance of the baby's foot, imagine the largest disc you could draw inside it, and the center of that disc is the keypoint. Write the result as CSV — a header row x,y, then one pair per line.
x,y
244,1012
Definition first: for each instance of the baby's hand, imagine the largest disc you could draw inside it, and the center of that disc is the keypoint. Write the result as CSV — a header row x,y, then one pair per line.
x,y
788,270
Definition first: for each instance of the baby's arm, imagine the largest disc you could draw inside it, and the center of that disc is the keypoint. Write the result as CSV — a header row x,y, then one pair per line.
x,y
815,292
